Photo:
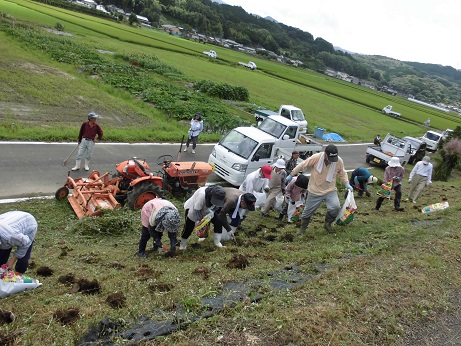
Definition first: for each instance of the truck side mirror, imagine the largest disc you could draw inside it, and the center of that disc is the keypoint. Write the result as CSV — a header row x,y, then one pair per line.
x,y
255,158
285,137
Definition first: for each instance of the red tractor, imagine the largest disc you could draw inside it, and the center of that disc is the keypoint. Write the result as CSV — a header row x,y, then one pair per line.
x,y
132,185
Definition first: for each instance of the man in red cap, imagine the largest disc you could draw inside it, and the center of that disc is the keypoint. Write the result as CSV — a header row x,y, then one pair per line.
x,y
257,181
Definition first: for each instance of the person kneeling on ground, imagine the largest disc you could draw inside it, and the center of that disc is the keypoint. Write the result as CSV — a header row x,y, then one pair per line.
x,y
17,228
206,200
395,172
158,215
360,179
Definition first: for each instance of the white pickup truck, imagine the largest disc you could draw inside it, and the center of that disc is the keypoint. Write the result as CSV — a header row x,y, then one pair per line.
x,y
245,149
251,65
211,54
391,146
287,111
388,110
433,138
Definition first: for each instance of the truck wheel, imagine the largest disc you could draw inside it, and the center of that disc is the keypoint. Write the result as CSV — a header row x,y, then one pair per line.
x,y
367,159
142,193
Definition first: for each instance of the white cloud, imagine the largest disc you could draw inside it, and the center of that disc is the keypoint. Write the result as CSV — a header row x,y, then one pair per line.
x,y
408,30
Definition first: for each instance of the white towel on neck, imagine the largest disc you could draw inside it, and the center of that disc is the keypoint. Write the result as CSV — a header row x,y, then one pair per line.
x,y
331,169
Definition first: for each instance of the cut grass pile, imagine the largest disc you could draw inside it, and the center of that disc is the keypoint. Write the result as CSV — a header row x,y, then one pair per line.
x,y
372,281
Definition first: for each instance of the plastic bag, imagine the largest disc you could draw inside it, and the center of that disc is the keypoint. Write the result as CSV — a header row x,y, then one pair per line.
x,y
260,199
279,202
294,210
347,213
12,282
202,227
385,190
434,207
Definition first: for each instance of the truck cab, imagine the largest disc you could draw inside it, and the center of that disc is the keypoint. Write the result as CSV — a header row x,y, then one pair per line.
x,y
418,149
432,139
294,114
245,149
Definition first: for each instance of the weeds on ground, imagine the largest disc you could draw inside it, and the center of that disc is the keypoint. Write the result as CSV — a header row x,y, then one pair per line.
x,y
367,282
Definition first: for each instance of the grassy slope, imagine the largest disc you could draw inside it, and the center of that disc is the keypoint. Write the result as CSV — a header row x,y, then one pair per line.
x,y
339,107
372,280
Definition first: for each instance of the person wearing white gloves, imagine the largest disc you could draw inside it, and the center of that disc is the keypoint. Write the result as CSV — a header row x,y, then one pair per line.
x,y
325,167
206,200
236,205
420,176
257,181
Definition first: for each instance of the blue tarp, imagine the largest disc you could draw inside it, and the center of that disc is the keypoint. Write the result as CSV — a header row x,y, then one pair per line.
x,y
333,137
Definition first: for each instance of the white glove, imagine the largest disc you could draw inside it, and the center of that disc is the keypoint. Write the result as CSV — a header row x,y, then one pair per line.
x,y
349,187
409,180
232,231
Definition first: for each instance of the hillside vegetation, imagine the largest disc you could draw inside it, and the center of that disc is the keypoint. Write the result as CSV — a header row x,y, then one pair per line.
x,y
144,83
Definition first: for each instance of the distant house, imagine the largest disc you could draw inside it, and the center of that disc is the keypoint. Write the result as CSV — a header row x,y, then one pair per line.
x,y
172,29
330,72
102,9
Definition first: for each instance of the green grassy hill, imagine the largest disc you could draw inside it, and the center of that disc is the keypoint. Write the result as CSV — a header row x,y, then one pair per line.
x,y
144,84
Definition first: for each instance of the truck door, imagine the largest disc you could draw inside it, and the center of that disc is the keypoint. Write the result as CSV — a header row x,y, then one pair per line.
x,y
261,157
288,140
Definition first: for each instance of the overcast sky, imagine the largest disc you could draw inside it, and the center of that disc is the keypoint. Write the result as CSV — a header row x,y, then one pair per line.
x,y
425,31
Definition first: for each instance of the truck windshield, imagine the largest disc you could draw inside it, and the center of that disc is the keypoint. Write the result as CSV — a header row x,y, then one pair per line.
x,y
432,136
239,144
297,115
272,127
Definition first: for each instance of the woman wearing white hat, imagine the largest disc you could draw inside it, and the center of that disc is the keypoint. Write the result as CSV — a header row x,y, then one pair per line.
x,y
394,172
276,185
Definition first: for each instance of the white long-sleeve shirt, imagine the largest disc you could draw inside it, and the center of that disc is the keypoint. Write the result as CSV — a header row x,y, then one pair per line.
x,y
17,228
254,183
423,170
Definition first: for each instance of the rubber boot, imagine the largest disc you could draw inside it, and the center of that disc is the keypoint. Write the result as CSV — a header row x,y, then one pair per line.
x,y
328,223
77,165
217,239
87,165
303,227
378,203
183,244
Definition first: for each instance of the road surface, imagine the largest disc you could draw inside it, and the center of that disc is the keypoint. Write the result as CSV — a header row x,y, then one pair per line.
x,y
30,169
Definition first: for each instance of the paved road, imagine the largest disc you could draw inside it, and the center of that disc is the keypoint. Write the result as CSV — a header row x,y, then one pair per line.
x,y
36,169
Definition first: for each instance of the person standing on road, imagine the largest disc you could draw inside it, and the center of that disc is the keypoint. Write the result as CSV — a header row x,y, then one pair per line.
x,y
196,127
394,172
158,215
325,167
86,140
420,176
17,228
360,179
276,185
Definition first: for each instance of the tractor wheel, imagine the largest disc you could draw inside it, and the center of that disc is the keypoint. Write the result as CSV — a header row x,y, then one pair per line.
x,y
62,193
142,193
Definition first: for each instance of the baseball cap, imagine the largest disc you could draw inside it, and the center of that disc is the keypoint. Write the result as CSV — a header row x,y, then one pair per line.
x,y
217,196
267,170
250,201
92,115
332,152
